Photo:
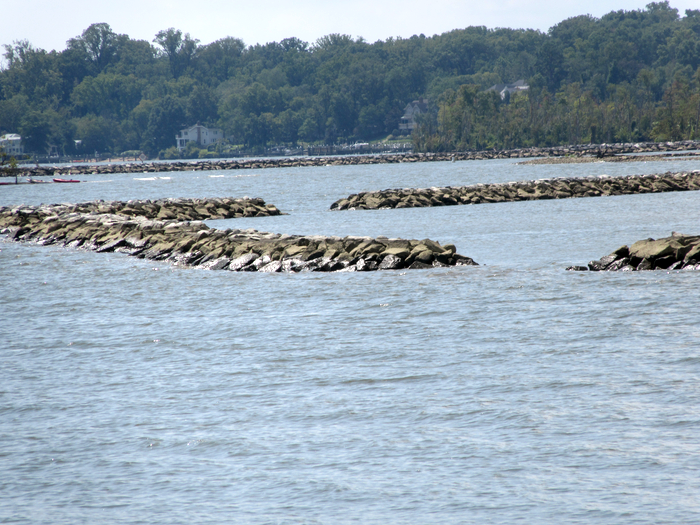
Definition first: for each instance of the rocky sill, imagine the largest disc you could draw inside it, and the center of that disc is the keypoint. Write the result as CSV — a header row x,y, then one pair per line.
x,y
559,188
665,157
194,244
179,209
598,150
677,252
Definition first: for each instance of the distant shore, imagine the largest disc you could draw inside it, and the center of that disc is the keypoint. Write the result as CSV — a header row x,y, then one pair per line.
x,y
561,153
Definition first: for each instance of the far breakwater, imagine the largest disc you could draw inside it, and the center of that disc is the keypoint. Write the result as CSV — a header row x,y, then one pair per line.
x,y
582,150
129,228
164,209
559,188
677,252
658,157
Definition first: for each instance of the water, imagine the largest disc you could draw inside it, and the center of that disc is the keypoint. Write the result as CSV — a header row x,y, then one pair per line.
x,y
132,392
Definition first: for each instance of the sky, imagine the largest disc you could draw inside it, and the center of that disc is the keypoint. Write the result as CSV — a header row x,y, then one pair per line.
x,y
48,24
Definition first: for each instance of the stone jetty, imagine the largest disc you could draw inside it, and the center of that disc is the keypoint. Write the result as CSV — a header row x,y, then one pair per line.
x,y
595,150
125,227
179,209
557,188
677,252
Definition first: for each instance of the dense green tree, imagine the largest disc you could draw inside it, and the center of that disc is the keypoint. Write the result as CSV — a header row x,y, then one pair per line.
x,y
178,48
165,120
96,133
628,75
98,43
108,95
201,106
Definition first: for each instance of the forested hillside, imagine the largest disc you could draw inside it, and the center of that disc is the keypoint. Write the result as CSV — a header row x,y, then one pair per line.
x,y
628,76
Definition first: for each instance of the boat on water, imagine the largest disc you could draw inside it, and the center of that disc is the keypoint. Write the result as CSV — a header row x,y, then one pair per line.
x,y
65,180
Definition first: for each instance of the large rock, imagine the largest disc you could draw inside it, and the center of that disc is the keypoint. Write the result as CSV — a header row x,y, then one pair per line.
x,y
391,262
652,249
676,252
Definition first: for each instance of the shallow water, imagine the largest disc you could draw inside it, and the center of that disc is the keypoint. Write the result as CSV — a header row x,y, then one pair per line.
x,y
132,392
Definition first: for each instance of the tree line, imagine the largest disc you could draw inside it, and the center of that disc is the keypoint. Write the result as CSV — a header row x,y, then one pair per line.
x,y
629,75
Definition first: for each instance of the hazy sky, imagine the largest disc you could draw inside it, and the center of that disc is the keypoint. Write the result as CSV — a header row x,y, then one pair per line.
x,y
49,24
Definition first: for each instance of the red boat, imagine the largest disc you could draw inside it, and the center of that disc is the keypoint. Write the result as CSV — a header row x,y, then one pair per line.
x,y
65,180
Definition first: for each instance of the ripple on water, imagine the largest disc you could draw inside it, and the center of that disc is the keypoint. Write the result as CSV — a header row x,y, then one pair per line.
x,y
513,391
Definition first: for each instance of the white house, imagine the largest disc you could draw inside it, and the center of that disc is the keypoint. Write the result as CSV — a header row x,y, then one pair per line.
x,y
503,89
11,144
411,111
199,134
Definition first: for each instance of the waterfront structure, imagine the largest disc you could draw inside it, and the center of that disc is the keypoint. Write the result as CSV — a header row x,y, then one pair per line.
x,y
408,122
11,144
200,134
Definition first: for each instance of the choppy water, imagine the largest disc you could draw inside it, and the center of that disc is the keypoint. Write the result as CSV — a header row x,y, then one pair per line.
x,y
131,392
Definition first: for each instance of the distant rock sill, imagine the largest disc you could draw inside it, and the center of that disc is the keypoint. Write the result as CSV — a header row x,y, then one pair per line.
x,y
179,209
677,252
146,230
559,188
665,157
582,150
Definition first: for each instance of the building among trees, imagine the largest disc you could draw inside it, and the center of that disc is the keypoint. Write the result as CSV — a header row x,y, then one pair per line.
x,y
505,90
11,144
628,76
408,122
200,134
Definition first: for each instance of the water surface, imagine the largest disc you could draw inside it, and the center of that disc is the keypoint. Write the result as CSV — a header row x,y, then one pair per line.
x,y
132,392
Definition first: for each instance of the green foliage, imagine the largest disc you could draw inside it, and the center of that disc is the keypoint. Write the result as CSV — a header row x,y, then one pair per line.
x,y
98,43
170,153
166,118
8,165
96,133
629,75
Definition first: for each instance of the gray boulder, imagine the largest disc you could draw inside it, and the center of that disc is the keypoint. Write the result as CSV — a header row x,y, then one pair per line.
x,y
242,261
391,262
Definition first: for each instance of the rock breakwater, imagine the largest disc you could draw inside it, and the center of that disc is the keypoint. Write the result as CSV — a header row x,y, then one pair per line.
x,y
558,188
677,252
597,150
663,157
194,244
179,209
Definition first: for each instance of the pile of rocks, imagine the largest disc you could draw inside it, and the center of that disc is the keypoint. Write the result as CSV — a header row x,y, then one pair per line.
x,y
677,252
598,150
661,157
558,188
176,209
193,243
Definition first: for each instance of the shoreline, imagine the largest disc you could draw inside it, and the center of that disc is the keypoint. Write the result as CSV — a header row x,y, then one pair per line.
x,y
574,151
